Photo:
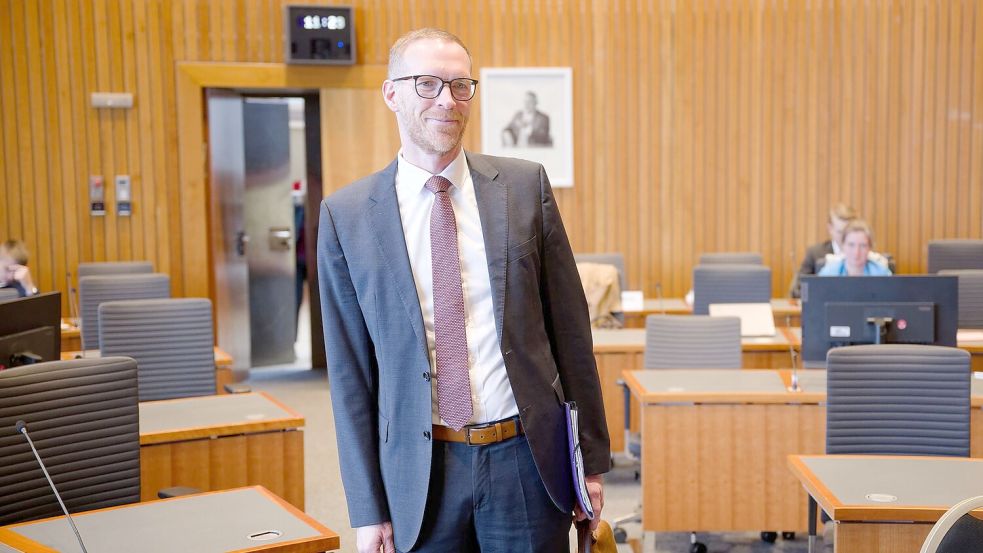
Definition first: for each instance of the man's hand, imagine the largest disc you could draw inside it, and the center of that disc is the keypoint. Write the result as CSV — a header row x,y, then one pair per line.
x,y
375,538
595,488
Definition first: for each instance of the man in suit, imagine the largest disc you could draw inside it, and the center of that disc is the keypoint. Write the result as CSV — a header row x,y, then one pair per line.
x,y
455,325
837,219
529,126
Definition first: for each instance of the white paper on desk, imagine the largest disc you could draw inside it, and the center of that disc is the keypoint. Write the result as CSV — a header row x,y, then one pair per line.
x,y
632,300
969,335
756,318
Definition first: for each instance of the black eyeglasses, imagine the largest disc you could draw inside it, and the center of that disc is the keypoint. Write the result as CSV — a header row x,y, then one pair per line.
x,y
429,86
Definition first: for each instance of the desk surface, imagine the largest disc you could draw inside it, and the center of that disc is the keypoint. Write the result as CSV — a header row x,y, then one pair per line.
x,y
210,416
677,306
887,488
725,386
216,521
633,340
222,358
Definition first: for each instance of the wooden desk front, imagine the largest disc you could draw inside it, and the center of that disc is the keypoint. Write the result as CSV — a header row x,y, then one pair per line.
x,y
219,442
787,312
621,350
885,504
714,444
223,365
217,521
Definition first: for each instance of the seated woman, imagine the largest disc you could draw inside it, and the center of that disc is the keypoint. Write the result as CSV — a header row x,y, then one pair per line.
x,y
13,268
856,257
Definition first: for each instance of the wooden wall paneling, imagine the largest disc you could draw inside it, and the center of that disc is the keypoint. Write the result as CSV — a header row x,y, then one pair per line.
x,y
975,195
143,188
64,204
22,219
967,218
157,33
699,124
10,188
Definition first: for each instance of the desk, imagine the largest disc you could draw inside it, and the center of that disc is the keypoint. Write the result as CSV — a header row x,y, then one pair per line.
x,y
623,349
217,521
739,426
219,442
714,448
924,488
71,335
787,312
223,365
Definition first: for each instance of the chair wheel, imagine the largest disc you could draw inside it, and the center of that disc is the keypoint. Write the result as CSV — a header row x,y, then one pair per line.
x,y
788,535
769,537
698,547
620,535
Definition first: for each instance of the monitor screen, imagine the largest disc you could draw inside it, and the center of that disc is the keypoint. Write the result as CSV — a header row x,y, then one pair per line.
x,y
842,311
30,330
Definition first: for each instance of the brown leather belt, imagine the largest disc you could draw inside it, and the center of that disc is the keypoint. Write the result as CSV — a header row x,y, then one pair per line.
x,y
483,434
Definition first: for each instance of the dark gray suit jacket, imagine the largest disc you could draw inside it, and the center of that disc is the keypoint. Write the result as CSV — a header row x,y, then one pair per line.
x,y
378,361
811,263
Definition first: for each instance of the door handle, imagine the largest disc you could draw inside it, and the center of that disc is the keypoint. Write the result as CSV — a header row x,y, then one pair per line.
x,y
241,240
280,238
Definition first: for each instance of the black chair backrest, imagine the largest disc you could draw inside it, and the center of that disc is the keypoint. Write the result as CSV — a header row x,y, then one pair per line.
x,y
84,420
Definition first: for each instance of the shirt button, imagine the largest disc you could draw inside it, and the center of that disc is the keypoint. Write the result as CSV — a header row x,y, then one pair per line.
x,y
426,435
426,376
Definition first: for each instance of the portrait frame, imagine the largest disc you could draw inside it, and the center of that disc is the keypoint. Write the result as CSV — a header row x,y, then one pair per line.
x,y
527,113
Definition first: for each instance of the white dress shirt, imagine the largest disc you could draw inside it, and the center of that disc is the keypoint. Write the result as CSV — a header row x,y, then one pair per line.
x,y
491,392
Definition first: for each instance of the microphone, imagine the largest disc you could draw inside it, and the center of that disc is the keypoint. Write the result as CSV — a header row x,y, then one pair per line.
x,y
73,306
21,428
791,350
658,294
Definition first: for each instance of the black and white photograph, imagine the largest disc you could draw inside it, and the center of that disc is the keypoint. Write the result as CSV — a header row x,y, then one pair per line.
x,y
527,112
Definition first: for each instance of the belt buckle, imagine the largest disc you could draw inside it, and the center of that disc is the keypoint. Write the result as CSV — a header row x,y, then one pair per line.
x,y
498,433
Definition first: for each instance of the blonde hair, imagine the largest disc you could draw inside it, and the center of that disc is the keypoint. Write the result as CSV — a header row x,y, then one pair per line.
x,y
859,225
16,250
842,212
402,43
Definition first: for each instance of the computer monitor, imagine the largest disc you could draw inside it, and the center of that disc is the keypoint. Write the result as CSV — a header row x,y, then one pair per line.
x,y
30,330
842,311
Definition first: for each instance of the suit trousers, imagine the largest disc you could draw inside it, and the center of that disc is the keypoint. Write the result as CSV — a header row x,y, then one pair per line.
x,y
491,499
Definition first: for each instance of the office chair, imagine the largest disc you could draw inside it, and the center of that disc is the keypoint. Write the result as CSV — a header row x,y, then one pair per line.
x,y
896,399
957,531
83,418
680,342
970,297
730,258
616,259
114,268
954,254
171,340
736,283
93,290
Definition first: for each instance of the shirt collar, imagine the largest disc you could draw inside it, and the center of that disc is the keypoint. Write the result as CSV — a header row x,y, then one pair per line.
x,y
416,178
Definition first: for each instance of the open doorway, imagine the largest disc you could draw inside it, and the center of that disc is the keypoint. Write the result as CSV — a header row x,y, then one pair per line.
x,y
265,182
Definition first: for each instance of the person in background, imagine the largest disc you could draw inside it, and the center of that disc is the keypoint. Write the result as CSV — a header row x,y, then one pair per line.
x,y
13,268
836,220
455,327
856,257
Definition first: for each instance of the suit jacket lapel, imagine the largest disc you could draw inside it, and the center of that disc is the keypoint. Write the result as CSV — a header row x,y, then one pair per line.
x,y
492,197
388,232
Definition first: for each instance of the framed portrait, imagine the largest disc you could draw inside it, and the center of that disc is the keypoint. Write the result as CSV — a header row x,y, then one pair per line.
x,y
527,112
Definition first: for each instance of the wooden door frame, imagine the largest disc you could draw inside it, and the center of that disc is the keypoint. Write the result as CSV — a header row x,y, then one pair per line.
x,y
192,78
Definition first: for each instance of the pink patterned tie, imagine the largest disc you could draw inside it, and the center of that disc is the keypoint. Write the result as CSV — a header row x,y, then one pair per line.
x,y
453,382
